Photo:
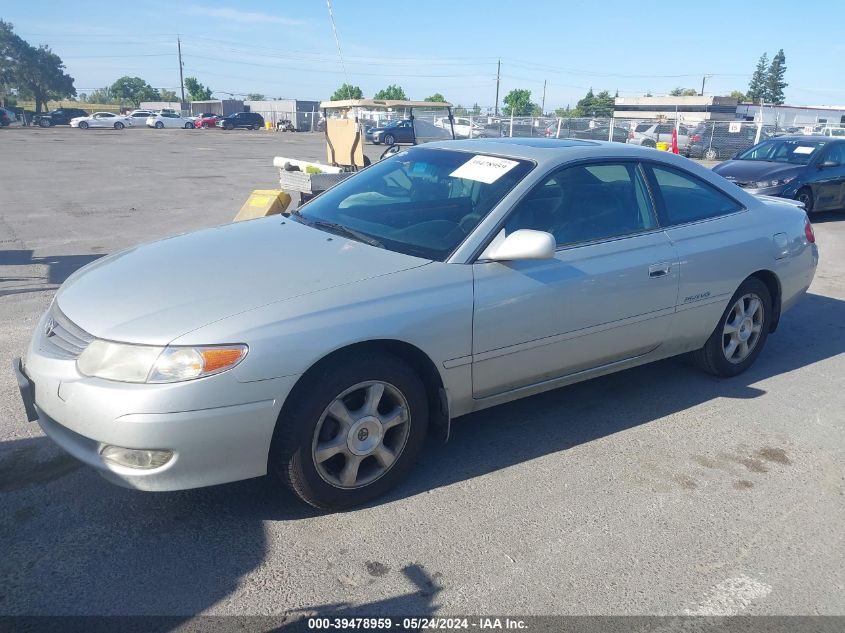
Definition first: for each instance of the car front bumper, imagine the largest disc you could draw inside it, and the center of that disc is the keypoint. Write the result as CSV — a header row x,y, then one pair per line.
x,y
217,429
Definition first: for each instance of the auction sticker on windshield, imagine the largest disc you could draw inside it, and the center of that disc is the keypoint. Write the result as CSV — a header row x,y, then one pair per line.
x,y
804,149
486,169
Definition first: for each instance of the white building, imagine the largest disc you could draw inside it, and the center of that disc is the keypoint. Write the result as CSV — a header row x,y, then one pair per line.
x,y
792,116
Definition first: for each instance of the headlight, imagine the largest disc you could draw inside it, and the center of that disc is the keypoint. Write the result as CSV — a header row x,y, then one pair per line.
x,y
146,363
762,184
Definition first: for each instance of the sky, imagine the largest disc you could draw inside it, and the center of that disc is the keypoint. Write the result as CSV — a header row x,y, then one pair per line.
x,y
287,49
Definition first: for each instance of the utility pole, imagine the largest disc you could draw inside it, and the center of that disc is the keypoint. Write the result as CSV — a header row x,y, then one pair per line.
x,y
181,79
703,79
498,77
543,106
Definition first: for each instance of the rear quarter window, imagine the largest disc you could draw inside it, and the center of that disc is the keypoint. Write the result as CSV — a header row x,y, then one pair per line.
x,y
683,198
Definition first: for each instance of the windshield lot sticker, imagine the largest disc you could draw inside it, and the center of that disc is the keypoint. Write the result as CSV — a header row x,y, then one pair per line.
x,y
486,169
803,149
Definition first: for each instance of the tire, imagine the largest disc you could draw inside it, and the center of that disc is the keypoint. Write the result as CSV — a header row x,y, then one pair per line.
x,y
389,139
159,125
44,123
711,154
83,125
714,356
118,126
189,126
229,126
306,423
805,195
649,143
255,126
205,126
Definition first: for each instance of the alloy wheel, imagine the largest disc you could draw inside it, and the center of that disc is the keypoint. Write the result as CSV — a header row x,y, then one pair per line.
x,y
742,328
361,434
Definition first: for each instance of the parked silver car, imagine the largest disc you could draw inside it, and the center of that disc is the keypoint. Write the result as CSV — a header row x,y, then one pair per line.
x,y
321,347
649,134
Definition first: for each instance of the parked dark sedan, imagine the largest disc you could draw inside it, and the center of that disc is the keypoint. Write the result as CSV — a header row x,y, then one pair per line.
x,y
810,169
59,116
393,133
716,141
248,120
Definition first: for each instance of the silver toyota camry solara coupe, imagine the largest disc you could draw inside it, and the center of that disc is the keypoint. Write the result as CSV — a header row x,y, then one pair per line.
x,y
319,348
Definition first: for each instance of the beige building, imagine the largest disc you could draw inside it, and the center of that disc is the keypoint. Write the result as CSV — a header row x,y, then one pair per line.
x,y
687,109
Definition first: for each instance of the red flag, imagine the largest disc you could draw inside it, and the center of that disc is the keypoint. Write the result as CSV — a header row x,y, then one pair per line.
x,y
674,140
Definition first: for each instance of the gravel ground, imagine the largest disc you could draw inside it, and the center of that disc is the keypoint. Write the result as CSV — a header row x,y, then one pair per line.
x,y
658,490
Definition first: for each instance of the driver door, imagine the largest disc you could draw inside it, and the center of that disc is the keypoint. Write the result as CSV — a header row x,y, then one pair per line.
x,y
607,296
830,181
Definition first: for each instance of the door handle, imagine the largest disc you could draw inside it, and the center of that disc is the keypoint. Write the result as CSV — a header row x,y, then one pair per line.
x,y
659,270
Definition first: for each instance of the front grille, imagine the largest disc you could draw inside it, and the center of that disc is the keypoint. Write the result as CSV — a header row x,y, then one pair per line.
x,y
62,338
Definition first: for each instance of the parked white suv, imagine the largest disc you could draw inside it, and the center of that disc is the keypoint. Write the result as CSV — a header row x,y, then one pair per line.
x,y
649,134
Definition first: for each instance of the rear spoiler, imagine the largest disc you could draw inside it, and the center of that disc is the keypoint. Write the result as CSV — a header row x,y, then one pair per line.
x,y
789,201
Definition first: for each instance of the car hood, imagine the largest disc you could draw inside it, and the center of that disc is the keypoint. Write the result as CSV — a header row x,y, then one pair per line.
x,y
749,170
156,292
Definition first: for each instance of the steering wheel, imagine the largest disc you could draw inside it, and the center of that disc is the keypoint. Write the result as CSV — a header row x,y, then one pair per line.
x,y
393,149
469,222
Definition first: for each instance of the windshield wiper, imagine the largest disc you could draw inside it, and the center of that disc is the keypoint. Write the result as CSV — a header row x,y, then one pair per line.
x,y
340,229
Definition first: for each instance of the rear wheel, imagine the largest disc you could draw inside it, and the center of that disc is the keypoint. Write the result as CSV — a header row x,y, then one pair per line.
x,y
352,432
741,334
711,154
189,126
805,195
44,122
389,139
255,126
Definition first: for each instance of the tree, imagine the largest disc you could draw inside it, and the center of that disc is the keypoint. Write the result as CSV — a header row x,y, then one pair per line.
x,y
100,95
757,88
196,91
683,92
518,102
255,96
168,96
436,97
38,73
738,95
392,92
133,90
774,79
347,91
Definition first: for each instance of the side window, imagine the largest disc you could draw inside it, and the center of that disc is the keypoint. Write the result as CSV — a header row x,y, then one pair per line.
x,y
683,198
836,153
664,129
586,203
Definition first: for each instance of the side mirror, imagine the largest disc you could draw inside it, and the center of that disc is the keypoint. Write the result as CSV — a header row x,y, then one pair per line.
x,y
829,163
521,244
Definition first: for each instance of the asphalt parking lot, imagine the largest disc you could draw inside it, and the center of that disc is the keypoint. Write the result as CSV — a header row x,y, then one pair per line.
x,y
659,490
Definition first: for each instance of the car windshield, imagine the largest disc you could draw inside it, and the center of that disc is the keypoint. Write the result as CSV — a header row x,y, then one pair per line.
x,y
796,152
420,202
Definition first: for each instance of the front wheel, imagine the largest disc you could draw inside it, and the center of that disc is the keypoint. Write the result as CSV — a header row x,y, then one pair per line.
x,y
205,126
711,154
805,196
159,125
44,122
742,331
83,125
189,126
118,126
352,432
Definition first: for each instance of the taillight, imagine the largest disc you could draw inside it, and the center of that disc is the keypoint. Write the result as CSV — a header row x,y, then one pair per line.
x,y
695,138
808,232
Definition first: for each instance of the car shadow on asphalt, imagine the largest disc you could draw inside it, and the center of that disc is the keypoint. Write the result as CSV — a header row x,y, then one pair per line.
x,y
59,268
76,544
823,217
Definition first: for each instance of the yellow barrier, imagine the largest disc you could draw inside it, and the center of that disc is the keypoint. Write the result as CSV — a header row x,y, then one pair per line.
x,y
663,147
263,202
